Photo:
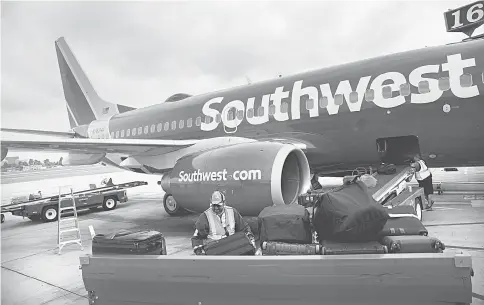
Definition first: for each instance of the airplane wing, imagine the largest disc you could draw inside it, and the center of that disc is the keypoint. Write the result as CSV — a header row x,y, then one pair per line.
x,y
61,141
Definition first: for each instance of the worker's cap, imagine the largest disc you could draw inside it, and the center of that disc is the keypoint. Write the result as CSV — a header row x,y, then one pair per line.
x,y
218,198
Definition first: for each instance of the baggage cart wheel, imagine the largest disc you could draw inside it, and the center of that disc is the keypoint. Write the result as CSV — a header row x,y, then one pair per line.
x,y
418,207
49,214
109,203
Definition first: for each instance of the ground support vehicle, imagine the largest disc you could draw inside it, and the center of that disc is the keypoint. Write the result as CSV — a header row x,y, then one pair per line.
x,y
45,209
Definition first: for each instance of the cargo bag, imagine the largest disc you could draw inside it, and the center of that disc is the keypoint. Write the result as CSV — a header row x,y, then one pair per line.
x,y
129,243
339,248
403,221
285,223
387,169
412,244
278,248
236,244
349,214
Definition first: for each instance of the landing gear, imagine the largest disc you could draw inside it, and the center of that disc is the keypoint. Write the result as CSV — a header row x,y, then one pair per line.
x,y
171,206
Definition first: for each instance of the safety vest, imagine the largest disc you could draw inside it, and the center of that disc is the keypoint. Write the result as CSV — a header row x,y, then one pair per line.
x,y
217,224
423,172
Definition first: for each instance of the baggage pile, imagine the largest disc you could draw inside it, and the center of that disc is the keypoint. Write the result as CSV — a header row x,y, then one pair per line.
x,y
345,220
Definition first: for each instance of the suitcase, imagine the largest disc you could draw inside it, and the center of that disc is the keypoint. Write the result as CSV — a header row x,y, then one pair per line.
x,y
236,244
285,223
339,248
403,221
129,243
277,248
412,244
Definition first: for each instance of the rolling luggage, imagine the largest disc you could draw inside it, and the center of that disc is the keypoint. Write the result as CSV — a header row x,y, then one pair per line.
x,y
412,244
278,248
129,243
403,221
285,223
349,214
236,244
338,248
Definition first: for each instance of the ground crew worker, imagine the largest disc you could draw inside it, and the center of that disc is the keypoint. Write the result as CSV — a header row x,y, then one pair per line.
x,y
315,185
424,179
217,222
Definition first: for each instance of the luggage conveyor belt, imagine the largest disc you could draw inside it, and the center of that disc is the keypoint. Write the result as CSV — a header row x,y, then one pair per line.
x,y
387,183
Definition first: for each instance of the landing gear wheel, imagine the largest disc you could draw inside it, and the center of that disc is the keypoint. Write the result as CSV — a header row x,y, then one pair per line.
x,y
418,207
171,206
109,203
3,218
49,214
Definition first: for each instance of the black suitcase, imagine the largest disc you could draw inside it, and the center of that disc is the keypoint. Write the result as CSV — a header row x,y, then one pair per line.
x,y
127,242
236,244
277,248
412,244
403,221
285,223
338,248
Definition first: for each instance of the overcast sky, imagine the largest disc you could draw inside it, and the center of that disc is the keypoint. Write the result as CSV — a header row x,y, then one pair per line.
x,y
140,53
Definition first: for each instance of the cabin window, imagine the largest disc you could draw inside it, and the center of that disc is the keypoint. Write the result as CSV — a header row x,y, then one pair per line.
x,y
387,92
338,99
309,104
354,97
146,129
250,113
240,115
122,133
181,124
218,118
424,87
483,77
323,102
159,127
198,121
466,80
444,83
117,134
153,128
370,95
207,120
272,109
133,132
189,123
167,126
284,107
140,130
405,89
173,125
260,111
128,132
112,134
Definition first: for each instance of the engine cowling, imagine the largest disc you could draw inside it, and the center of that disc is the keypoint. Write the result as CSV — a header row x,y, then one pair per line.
x,y
4,152
73,159
252,175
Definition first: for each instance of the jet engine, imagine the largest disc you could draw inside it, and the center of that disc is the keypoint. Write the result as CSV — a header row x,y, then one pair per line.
x,y
252,175
4,153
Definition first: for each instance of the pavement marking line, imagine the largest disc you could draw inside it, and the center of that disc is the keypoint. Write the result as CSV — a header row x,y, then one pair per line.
x,y
465,248
16,259
455,224
34,278
478,296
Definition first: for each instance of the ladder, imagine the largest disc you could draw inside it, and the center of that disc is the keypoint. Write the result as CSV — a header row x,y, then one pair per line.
x,y
64,205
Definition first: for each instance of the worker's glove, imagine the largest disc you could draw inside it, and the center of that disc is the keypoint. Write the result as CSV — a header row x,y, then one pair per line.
x,y
258,252
199,250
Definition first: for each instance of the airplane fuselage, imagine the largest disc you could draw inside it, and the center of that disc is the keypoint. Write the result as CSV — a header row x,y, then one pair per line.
x,y
338,113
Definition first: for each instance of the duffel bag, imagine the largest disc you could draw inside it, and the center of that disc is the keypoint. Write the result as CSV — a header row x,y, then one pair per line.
x,y
142,242
235,244
349,214
285,223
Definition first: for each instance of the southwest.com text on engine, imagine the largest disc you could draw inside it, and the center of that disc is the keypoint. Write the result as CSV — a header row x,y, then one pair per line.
x,y
243,175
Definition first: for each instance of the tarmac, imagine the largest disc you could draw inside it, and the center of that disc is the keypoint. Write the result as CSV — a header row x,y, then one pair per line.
x,y
33,272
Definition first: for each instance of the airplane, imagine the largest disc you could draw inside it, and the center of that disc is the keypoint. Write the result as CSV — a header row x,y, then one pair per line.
x,y
261,142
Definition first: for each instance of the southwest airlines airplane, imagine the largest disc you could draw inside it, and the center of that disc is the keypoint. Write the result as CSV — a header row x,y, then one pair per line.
x,y
261,142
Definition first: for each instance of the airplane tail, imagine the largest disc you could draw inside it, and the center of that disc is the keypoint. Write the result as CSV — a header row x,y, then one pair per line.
x,y
83,103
